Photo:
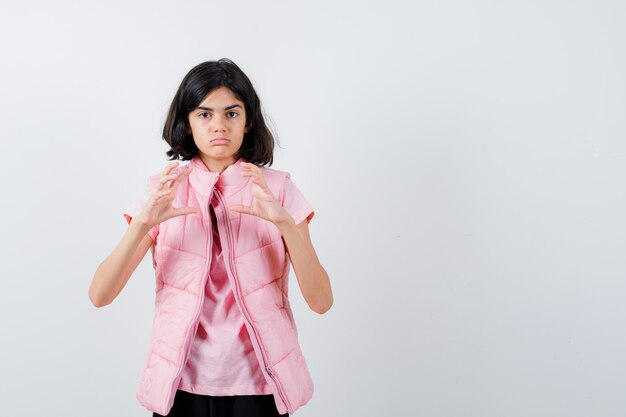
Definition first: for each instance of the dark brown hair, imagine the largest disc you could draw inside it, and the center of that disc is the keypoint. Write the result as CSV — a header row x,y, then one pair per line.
x,y
258,142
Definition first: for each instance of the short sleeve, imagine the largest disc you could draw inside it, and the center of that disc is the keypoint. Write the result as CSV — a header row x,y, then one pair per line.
x,y
295,203
135,208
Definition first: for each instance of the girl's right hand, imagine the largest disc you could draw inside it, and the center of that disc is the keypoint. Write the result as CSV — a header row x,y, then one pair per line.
x,y
159,207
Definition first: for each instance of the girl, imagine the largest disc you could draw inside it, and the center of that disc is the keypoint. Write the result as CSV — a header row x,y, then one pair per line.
x,y
223,230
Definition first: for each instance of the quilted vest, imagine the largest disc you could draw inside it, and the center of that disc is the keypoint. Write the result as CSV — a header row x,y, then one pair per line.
x,y
257,265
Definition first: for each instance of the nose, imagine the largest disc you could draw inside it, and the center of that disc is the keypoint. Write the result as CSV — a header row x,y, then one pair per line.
x,y
219,124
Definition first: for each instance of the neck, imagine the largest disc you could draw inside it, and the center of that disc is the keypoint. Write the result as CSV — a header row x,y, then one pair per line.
x,y
217,165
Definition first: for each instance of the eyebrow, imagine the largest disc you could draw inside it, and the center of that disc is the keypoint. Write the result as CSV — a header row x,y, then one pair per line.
x,y
232,106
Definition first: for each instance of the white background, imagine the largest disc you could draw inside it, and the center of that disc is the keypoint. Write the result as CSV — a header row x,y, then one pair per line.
x,y
466,161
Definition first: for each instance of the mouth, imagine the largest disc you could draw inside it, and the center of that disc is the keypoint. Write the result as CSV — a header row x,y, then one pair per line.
x,y
220,141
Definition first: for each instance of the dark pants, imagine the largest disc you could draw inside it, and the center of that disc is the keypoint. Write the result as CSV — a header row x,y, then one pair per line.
x,y
187,404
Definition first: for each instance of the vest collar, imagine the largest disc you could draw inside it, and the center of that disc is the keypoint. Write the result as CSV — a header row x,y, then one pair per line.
x,y
228,181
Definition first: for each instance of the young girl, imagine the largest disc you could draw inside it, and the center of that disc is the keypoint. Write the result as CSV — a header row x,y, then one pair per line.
x,y
223,230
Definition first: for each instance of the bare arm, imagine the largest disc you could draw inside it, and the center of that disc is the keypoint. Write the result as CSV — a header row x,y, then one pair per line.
x,y
311,275
113,273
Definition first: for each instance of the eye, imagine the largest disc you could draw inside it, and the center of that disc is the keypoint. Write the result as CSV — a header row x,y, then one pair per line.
x,y
232,112
201,115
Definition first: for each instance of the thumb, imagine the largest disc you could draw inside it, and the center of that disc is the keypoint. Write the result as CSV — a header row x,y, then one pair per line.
x,y
181,211
242,209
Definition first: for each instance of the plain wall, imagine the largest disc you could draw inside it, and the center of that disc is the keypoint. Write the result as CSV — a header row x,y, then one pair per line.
x,y
466,161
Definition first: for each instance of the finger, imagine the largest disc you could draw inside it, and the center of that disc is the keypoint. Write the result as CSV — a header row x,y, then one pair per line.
x,y
164,183
181,211
180,175
250,165
182,169
166,174
256,176
175,176
160,195
252,169
262,184
168,168
242,209
260,176
165,179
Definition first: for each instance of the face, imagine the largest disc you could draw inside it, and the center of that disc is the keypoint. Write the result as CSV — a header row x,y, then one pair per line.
x,y
217,126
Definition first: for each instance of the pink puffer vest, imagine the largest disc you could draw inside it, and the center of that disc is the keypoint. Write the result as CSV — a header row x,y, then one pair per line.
x,y
257,265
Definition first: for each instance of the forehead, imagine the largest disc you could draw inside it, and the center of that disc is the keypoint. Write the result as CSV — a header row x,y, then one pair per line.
x,y
222,95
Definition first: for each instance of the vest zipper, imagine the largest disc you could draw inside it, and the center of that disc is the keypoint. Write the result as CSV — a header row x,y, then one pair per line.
x,y
230,263
196,319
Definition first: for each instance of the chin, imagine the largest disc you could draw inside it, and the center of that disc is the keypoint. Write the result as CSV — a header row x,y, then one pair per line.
x,y
220,155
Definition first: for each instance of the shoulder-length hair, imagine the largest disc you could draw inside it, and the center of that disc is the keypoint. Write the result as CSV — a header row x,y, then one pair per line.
x,y
258,142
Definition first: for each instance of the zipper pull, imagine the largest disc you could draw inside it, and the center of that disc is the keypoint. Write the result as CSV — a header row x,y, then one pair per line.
x,y
269,371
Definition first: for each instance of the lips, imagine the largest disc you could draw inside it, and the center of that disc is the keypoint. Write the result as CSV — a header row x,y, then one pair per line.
x,y
219,141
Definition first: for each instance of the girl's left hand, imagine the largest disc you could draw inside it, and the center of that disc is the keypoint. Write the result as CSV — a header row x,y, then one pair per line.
x,y
264,204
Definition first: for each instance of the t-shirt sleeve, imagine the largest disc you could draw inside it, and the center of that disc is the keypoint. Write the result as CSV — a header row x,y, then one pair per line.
x,y
296,204
135,208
